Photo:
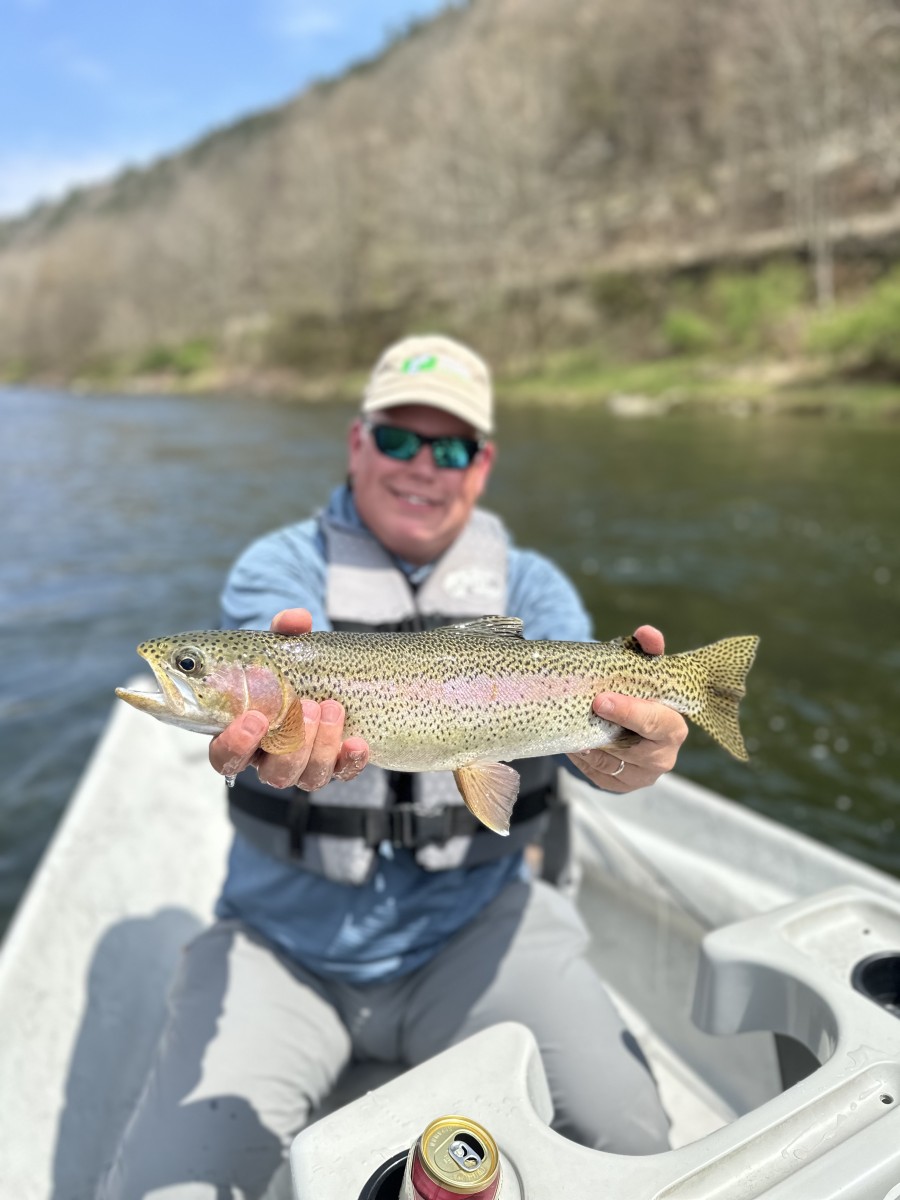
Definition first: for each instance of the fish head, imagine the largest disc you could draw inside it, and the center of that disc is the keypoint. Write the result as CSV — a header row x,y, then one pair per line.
x,y
207,679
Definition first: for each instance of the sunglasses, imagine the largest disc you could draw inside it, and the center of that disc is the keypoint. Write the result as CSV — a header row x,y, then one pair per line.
x,y
450,451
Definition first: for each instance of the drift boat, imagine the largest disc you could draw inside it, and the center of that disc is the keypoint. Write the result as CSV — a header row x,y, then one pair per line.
x,y
759,970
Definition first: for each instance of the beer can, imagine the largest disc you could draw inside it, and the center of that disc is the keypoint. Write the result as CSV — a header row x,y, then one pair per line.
x,y
455,1156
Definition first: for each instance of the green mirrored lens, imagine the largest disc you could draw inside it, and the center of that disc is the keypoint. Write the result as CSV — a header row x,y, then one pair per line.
x,y
454,452
398,443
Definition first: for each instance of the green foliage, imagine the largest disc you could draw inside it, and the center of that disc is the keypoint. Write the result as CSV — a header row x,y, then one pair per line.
x,y
866,335
688,332
185,359
749,305
734,310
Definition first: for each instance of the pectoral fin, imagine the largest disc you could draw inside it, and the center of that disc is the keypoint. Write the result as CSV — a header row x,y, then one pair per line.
x,y
623,740
290,734
489,790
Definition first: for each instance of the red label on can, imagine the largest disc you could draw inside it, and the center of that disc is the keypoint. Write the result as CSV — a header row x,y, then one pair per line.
x,y
425,1188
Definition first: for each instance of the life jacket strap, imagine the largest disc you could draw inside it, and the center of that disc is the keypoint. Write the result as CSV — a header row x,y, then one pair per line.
x,y
403,825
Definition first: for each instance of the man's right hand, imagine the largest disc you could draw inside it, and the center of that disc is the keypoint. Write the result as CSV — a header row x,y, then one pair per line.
x,y
324,756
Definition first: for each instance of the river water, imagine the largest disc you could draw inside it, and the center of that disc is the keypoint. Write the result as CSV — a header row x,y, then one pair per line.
x,y
121,516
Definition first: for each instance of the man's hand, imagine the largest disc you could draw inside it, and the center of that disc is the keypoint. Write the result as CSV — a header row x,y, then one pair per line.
x,y
659,729
324,755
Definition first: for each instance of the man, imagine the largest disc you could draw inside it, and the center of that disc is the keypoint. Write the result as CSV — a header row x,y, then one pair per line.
x,y
364,915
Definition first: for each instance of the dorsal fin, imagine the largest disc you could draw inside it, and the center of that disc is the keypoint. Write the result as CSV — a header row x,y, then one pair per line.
x,y
486,627
631,643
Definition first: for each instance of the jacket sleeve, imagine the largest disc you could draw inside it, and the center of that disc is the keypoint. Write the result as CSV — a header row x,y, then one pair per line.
x,y
542,596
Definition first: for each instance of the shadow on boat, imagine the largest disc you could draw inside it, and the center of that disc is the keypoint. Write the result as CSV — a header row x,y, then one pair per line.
x,y
124,1011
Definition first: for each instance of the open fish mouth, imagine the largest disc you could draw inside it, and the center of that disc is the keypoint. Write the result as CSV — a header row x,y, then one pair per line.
x,y
173,701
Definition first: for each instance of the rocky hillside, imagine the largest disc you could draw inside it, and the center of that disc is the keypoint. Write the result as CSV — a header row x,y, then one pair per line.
x,y
492,168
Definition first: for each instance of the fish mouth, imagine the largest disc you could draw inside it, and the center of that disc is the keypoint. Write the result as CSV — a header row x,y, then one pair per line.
x,y
173,702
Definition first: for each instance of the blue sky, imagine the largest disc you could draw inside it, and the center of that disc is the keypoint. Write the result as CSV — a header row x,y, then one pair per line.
x,y
88,86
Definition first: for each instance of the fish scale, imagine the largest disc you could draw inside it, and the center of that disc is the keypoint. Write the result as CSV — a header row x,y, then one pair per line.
x,y
464,698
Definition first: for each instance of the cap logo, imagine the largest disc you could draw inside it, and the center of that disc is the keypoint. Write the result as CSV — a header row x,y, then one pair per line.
x,y
418,363
431,362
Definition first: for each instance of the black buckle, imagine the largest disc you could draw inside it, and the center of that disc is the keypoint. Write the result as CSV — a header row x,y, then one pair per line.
x,y
402,826
411,827
434,827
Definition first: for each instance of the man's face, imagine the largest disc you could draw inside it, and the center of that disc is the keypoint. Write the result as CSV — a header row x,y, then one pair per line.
x,y
415,509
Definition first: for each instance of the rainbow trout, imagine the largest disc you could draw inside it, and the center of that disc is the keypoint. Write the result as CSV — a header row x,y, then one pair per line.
x,y
463,698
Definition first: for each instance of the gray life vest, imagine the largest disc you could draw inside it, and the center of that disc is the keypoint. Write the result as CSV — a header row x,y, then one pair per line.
x,y
423,811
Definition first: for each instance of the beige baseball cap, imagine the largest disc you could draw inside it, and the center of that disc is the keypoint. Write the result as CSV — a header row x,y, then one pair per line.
x,y
437,371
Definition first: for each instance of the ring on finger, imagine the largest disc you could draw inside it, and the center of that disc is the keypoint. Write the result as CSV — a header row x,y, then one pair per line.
x,y
619,769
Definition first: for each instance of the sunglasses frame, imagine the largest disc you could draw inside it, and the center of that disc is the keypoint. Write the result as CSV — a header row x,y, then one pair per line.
x,y
472,446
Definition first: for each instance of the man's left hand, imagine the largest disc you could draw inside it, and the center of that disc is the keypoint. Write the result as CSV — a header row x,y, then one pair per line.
x,y
660,732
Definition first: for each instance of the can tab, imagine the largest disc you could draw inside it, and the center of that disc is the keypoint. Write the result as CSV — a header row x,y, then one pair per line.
x,y
467,1154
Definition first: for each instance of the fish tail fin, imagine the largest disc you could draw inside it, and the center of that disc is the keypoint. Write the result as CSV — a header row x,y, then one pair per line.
x,y
725,665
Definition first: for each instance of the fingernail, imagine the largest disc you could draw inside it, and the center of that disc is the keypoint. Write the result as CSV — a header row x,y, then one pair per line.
x,y
254,724
310,710
606,705
356,757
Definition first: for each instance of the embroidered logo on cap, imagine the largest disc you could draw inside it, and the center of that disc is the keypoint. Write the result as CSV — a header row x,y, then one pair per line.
x,y
431,362
419,362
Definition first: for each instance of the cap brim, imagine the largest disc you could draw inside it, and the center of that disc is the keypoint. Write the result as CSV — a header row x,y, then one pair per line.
x,y
433,393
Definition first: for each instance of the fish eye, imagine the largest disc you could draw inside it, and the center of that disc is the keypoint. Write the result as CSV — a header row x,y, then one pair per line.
x,y
188,660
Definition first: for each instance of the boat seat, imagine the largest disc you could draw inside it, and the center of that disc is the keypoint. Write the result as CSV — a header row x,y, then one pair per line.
x,y
824,970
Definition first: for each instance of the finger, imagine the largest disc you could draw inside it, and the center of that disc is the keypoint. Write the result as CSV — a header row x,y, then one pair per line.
x,y
326,748
651,640
654,721
353,757
604,762
283,770
596,763
612,773
292,620
232,751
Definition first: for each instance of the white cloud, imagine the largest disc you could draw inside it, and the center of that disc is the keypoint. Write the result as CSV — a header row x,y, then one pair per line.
x,y
302,20
26,179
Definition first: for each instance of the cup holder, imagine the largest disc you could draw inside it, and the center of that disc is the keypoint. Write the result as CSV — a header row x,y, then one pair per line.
x,y
386,1182
878,977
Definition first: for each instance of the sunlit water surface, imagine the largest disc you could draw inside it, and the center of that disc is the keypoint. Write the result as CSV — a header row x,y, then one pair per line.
x,y
121,516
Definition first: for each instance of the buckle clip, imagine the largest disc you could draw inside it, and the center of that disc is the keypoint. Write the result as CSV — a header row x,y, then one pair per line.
x,y
411,828
403,827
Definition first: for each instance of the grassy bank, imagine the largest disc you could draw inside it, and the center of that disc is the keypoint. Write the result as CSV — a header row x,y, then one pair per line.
x,y
747,340
794,386
741,341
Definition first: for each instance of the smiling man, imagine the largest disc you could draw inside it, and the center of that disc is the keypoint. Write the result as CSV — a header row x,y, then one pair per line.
x,y
365,914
